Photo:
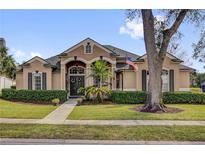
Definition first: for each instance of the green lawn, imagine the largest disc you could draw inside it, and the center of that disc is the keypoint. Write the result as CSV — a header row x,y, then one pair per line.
x,y
124,112
147,133
22,110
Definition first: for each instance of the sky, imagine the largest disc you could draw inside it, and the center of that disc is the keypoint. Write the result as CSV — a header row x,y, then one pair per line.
x,y
45,33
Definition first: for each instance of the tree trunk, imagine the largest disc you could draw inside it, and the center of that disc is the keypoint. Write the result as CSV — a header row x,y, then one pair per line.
x,y
153,102
156,58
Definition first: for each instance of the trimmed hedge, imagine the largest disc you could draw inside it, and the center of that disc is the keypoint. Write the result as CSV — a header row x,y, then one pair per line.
x,y
136,97
128,97
38,96
183,97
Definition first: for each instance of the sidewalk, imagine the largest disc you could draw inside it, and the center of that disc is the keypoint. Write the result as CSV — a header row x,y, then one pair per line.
x,y
105,142
106,122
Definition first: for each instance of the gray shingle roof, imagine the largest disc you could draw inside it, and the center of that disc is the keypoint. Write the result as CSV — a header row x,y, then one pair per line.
x,y
183,67
55,60
121,52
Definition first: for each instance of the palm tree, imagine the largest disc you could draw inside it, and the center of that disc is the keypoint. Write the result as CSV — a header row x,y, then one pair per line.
x,y
7,63
100,72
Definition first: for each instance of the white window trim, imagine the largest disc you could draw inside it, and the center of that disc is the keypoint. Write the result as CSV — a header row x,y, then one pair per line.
x,y
33,80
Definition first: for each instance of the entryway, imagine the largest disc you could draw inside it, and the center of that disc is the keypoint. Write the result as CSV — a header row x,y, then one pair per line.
x,y
75,78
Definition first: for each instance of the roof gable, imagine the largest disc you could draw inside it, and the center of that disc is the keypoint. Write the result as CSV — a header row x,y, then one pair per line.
x,y
83,42
34,59
171,56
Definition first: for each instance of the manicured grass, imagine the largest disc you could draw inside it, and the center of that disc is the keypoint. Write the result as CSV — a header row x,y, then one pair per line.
x,y
22,110
124,112
172,133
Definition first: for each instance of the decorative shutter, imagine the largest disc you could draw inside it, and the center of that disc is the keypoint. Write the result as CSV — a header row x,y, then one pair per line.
x,y
171,80
44,81
144,80
30,81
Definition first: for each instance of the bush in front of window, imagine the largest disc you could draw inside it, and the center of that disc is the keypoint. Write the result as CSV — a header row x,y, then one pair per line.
x,y
128,97
34,96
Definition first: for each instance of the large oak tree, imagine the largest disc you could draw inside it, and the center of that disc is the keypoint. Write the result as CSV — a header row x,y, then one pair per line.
x,y
159,36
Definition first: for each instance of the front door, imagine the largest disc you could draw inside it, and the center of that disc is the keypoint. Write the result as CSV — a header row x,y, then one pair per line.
x,y
75,83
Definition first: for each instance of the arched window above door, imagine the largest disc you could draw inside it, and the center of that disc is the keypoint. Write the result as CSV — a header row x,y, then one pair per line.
x,y
77,70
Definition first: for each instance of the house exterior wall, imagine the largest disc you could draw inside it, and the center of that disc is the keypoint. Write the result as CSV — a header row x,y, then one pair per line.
x,y
97,52
56,81
129,83
88,59
37,66
19,80
168,64
132,80
184,80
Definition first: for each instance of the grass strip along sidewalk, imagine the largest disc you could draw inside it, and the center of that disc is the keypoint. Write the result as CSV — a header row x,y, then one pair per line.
x,y
146,133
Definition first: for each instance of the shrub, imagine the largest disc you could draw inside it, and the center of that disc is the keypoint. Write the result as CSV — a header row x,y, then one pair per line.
x,y
136,97
34,95
128,97
183,97
55,101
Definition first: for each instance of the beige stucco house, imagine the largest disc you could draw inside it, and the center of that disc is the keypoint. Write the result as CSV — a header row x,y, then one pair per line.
x,y
71,69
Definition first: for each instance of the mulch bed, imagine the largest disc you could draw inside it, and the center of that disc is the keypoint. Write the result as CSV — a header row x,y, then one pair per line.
x,y
167,110
94,103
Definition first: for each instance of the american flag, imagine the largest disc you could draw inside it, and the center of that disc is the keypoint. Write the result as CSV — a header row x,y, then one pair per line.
x,y
130,62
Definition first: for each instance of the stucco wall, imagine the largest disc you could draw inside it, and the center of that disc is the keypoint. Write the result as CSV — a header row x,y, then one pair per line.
x,y
184,78
37,66
56,81
97,52
19,80
129,78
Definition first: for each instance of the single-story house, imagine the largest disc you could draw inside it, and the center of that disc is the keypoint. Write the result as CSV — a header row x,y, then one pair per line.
x,y
71,70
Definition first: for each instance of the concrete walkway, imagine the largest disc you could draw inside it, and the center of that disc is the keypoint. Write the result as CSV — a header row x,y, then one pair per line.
x,y
59,115
105,142
105,122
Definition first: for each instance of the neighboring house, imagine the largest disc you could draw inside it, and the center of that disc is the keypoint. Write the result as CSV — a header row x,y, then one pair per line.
x,y
71,70
6,82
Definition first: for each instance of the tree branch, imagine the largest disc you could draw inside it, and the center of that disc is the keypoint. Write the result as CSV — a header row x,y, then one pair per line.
x,y
168,33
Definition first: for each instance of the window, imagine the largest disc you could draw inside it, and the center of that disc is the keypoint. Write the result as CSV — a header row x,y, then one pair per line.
x,y
37,81
77,70
88,48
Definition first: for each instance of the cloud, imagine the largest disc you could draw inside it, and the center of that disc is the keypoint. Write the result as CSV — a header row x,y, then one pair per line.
x,y
33,54
133,28
21,56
